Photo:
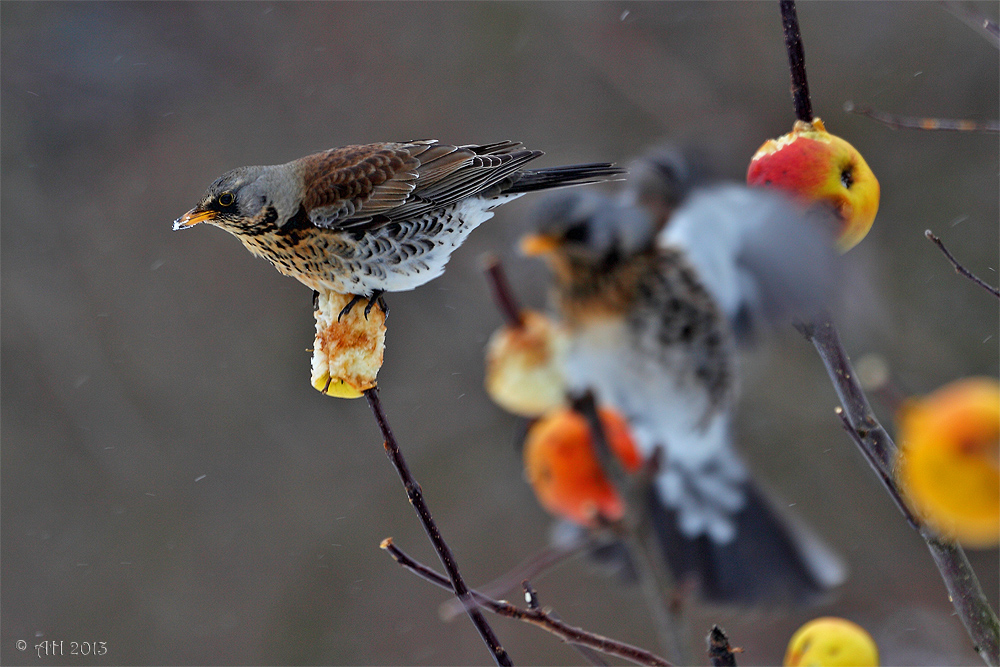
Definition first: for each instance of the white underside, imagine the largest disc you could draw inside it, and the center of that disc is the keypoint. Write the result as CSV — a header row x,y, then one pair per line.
x,y
421,267
702,476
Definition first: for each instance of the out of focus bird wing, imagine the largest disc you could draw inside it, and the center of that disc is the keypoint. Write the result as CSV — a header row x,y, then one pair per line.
x,y
757,252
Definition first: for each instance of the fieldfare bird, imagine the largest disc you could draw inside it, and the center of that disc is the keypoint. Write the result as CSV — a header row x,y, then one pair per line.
x,y
385,217
650,287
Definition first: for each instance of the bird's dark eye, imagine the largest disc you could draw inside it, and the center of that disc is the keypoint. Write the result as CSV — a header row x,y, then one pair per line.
x,y
577,233
227,198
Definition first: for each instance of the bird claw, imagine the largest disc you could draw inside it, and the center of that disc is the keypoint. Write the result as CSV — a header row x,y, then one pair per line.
x,y
376,297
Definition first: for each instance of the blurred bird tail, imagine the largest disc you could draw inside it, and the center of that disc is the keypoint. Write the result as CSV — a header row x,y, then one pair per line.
x,y
531,180
773,559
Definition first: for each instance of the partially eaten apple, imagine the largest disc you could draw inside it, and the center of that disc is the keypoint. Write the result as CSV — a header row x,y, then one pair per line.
x,y
815,166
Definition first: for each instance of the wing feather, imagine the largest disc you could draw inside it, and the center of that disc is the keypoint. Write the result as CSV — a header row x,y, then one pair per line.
x,y
359,187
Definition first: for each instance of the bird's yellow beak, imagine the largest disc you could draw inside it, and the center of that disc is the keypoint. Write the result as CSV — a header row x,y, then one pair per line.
x,y
534,245
192,218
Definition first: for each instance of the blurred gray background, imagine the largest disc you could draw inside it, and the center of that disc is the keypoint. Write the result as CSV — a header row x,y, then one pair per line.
x,y
171,483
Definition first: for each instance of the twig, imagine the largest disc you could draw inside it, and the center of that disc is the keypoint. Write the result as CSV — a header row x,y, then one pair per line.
x,y
898,122
530,568
823,335
960,580
958,267
719,650
416,496
885,475
537,617
655,579
975,20
796,61
531,599
502,293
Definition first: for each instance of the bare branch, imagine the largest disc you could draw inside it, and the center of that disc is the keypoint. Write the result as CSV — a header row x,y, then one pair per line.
x,y
655,578
536,617
975,20
963,587
416,496
796,61
958,267
530,568
899,122
885,475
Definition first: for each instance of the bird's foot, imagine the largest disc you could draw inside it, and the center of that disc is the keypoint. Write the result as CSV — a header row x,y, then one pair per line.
x,y
350,306
376,297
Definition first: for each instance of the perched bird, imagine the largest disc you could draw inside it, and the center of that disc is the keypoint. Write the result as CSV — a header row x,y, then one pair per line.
x,y
649,302
385,217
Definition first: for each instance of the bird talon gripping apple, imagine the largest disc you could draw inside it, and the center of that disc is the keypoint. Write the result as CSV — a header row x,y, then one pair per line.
x,y
816,166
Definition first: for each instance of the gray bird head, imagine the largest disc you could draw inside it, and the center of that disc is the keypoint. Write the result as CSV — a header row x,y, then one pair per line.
x,y
589,228
234,201
662,178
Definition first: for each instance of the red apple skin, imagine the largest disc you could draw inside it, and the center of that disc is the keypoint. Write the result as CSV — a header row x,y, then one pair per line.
x,y
818,167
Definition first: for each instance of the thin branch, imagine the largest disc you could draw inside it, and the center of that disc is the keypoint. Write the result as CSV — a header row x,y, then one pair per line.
x,y
655,578
976,20
719,650
589,654
530,568
796,61
885,475
876,441
416,496
959,268
960,580
899,122
536,617
502,293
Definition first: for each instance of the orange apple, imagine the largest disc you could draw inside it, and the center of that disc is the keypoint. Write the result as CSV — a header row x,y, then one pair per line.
x,y
949,460
562,466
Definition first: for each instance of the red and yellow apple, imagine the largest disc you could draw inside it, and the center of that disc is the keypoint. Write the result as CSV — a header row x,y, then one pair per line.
x,y
818,167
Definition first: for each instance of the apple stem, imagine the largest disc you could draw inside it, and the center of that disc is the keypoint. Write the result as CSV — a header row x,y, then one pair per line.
x,y
796,61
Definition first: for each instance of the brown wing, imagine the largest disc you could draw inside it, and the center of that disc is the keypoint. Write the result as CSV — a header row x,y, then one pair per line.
x,y
364,186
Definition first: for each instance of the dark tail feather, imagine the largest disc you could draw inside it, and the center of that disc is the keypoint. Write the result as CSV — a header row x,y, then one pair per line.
x,y
531,180
773,559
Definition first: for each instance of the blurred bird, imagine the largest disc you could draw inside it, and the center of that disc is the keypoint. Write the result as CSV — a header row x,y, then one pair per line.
x,y
363,220
650,287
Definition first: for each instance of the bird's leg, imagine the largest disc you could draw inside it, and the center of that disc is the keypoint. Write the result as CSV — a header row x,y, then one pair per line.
x,y
350,304
315,300
376,297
